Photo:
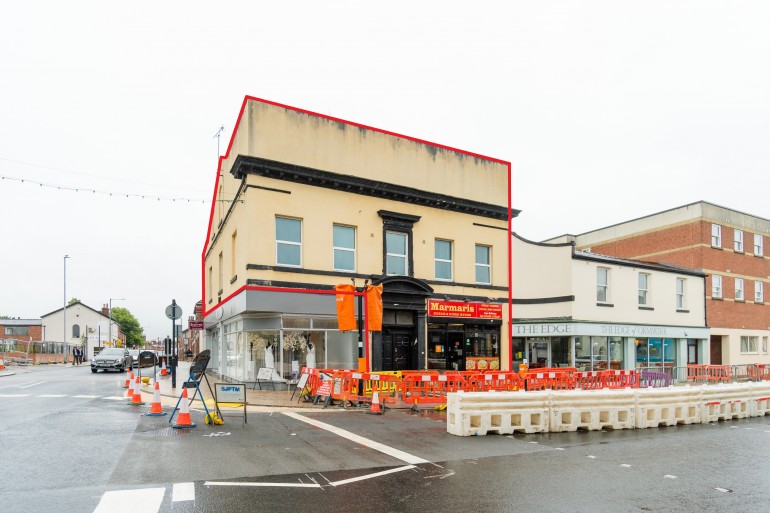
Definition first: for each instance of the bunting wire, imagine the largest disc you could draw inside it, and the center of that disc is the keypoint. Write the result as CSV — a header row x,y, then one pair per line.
x,y
105,193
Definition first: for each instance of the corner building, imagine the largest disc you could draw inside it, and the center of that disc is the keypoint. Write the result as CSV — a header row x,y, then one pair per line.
x,y
731,247
304,202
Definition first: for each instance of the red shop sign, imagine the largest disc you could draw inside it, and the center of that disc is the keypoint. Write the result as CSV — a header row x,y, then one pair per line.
x,y
462,309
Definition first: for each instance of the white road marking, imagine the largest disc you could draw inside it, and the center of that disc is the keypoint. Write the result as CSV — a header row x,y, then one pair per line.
x,y
591,456
116,397
390,451
625,465
723,490
32,384
669,476
287,485
144,500
15,395
51,395
86,396
370,476
183,492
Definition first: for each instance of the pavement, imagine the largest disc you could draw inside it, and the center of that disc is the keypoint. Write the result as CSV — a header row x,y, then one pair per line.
x,y
264,396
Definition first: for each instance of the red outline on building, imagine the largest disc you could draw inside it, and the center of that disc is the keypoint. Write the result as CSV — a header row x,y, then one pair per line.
x,y
222,158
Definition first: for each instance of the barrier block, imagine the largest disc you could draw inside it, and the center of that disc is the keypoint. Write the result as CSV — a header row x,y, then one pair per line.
x,y
668,406
759,399
481,413
726,402
591,410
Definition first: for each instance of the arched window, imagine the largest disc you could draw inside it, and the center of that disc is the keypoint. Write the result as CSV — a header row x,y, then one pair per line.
x,y
75,331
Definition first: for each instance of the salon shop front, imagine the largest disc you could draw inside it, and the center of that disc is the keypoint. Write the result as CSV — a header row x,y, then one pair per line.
x,y
601,346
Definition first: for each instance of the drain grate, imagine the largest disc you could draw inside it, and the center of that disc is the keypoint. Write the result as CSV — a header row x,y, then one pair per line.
x,y
167,431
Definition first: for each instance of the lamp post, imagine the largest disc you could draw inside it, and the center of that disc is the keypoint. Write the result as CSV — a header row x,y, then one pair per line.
x,y
66,346
111,300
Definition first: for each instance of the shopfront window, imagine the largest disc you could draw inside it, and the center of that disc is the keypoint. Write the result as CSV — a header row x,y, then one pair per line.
x,y
655,352
598,353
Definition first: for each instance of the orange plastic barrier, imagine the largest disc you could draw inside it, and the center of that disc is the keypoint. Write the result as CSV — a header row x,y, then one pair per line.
x,y
590,380
489,381
432,388
549,380
620,379
718,373
696,373
387,386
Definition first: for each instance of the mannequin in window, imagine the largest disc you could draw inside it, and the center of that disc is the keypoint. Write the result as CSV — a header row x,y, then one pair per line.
x,y
269,357
310,359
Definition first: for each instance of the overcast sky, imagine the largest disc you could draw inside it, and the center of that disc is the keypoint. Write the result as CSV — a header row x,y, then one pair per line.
x,y
608,110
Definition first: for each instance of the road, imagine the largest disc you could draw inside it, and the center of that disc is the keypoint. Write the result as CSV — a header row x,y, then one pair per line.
x,y
70,443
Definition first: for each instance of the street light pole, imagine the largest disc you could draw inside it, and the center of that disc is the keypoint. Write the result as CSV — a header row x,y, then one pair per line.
x,y
66,346
111,300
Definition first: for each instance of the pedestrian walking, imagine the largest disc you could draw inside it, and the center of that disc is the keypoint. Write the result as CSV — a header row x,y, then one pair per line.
x,y
74,356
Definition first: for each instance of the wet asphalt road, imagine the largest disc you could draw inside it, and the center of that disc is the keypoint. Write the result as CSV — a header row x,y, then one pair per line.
x,y
70,443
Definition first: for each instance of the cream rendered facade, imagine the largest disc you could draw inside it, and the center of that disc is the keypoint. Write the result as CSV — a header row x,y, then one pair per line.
x,y
321,174
559,319
739,328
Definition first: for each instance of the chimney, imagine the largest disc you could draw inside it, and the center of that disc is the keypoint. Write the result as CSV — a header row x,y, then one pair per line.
x,y
106,310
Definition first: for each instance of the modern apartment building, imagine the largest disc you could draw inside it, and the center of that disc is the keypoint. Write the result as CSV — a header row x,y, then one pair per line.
x,y
304,202
731,247
595,312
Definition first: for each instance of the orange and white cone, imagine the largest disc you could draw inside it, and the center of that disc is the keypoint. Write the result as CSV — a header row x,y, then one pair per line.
x,y
156,410
2,363
375,408
129,380
163,370
136,398
183,419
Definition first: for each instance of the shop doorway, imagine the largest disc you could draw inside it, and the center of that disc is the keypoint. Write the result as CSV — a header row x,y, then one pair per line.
x,y
397,350
455,354
692,351
538,353
716,349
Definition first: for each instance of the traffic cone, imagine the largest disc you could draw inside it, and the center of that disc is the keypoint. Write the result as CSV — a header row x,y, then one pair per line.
x,y
156,410
163,370
375,408
129,380
183,419
136,398
2,363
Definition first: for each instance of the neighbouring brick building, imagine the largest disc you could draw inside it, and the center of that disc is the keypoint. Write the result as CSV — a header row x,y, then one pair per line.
x,y
731,247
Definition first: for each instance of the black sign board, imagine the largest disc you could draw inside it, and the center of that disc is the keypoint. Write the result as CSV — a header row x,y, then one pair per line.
x,y
147,359
199,364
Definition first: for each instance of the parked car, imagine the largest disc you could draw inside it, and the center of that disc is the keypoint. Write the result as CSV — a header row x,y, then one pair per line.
x,y
111,358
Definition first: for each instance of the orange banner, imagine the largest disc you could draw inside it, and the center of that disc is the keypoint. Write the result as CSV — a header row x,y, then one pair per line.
x,y
374,307
346,315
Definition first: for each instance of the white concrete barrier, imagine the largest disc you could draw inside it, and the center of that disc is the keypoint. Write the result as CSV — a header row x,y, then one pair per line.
x,y
667,406
479,413
759,397
591,410
725,401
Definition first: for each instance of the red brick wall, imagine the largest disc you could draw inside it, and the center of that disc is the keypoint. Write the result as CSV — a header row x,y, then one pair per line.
x,y
36,332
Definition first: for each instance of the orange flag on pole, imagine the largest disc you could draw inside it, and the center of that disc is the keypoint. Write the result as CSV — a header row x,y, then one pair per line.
x,y
346,316
374,307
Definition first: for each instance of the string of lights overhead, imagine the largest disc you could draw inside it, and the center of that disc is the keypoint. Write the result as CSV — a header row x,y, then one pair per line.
x,y
102,192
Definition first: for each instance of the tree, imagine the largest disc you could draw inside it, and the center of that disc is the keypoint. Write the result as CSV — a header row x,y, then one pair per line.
x,y
129,325
73,301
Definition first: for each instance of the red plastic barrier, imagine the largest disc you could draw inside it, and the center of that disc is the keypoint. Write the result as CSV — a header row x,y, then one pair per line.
x,y
620,378
430,388
549,381
498,381
591,380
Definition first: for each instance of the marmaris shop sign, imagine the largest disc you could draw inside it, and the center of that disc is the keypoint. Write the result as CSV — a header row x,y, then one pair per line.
x,y
461,309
